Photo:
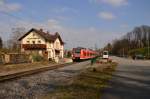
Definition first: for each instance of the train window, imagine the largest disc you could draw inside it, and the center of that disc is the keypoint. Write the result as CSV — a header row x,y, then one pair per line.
x,y
84,53
105,53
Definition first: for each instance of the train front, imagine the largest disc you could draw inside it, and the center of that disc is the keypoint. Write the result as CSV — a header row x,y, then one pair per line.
x,y
76,53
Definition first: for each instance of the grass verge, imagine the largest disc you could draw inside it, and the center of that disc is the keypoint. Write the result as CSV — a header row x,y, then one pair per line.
x,y
18,67
87,85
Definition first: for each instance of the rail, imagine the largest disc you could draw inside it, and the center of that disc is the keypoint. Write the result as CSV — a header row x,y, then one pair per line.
x,y
31,72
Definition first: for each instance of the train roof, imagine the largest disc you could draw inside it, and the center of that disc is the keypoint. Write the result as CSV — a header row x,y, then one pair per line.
x,y
84,48
79,48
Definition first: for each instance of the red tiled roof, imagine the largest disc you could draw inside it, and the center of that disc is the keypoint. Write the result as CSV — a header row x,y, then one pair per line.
x,y
46,36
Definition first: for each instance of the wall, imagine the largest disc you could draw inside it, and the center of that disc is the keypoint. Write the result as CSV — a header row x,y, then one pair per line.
x,y
50,48
33,37
58,46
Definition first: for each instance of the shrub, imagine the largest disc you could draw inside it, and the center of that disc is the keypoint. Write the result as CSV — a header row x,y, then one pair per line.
x,y
142,51
37,58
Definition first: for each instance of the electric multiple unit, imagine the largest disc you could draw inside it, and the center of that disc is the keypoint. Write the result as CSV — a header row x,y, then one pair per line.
x,y
80,53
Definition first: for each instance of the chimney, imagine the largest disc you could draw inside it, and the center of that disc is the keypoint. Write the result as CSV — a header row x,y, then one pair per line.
x,y
57,33
41,30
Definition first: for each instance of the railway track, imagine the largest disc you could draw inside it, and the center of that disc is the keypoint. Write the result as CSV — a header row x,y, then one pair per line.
x,y
31,72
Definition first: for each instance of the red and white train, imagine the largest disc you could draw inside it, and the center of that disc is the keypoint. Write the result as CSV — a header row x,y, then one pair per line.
x,y
80,53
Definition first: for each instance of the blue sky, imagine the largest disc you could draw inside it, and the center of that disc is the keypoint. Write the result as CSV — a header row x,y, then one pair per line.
x,y
80,22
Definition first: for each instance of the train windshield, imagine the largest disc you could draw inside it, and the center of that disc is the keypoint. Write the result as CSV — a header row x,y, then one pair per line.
x,y
77,51
105,53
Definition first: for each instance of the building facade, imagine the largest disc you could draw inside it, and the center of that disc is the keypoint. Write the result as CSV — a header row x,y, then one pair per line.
x,y
42,43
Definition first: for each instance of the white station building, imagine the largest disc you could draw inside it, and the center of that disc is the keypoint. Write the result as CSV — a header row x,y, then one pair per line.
x,y
43,43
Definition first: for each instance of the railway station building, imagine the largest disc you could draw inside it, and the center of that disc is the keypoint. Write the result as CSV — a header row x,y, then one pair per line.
x,y
42,43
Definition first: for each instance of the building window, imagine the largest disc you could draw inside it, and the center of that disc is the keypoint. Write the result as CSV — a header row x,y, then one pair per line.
x,y
39,42
33,34
33,42
28,42
51,45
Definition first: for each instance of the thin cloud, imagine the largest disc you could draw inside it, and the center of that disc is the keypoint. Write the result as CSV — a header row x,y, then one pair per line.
x,y
106,15
9,7
64,10
124,25
115,3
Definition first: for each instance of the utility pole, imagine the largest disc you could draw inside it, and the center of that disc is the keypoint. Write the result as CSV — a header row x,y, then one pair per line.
x,y
123,52
139,42
148,42
95,46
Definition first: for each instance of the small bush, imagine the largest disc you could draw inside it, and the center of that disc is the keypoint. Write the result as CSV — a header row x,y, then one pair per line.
x,y
142,51
37,58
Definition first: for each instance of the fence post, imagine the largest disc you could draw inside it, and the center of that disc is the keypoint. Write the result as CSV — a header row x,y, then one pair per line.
x,y
6,58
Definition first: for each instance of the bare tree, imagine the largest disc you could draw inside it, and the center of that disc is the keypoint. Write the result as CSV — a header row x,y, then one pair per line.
x,y
13,42
108,47
132,40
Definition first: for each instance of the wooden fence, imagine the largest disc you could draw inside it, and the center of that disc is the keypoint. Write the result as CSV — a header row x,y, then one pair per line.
x,y
1,58
14,58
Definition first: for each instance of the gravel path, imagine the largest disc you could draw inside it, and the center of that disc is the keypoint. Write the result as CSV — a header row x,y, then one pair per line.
x,y
130,81
33,86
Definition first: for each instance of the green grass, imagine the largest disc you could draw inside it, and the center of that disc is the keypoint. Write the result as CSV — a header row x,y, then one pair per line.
x,y
143,51
87,85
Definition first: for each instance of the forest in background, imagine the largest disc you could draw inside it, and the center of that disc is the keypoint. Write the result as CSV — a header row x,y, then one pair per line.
x,y
134,42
